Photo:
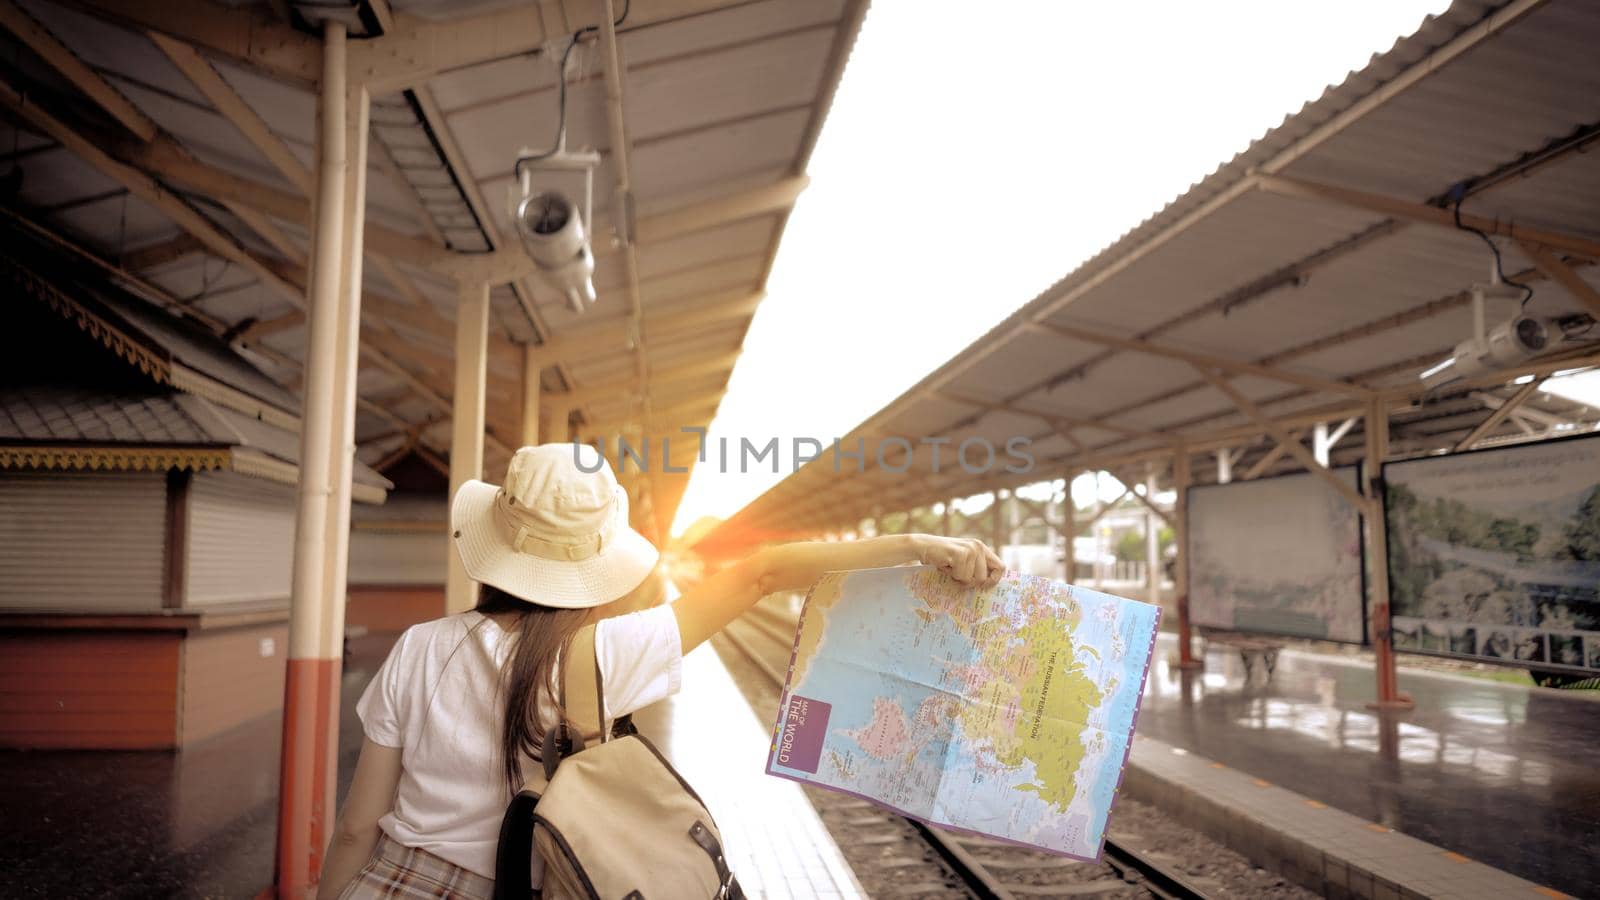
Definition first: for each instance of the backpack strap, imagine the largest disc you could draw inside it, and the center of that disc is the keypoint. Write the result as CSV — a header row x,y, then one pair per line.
x,y
513,863
563,740
513,858
580,674
622,724
585,654
514,855
599,691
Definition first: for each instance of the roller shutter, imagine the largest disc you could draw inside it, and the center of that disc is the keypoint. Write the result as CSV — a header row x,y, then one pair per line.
x,y
241,539
82,541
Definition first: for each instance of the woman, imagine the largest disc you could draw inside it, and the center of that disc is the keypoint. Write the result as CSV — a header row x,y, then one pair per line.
x,y
457,713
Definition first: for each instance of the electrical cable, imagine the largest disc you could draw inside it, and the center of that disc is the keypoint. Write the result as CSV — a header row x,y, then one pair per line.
x,y
561,118
1458,193
561,74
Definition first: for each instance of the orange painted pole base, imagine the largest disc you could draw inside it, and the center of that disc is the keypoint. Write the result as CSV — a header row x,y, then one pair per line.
x,y
309,767
1186,657
1390,697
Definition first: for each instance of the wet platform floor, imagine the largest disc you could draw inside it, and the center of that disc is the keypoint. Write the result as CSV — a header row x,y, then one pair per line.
x,y
201,822
1504,774
198,822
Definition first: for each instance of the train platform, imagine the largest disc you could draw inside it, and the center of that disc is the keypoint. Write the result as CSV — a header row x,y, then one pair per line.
x,y
190,823
776,844
1484,789
200,822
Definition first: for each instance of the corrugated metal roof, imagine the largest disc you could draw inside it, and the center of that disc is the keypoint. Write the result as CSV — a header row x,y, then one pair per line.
x,y
1502,96
722,96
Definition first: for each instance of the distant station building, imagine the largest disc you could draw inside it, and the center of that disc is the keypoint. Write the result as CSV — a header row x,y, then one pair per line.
x,y
397,550
147,514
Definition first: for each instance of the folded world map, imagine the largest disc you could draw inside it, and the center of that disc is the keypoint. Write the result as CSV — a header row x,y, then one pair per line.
x,y
1006,712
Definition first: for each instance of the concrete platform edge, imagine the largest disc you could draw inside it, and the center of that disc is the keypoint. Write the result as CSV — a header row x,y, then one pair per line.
x,y
1320,848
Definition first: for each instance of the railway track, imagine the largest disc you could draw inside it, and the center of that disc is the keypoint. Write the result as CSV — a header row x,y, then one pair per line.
x,y
907,849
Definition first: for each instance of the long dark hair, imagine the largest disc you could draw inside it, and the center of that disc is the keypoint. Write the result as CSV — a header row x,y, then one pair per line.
x,y
542,634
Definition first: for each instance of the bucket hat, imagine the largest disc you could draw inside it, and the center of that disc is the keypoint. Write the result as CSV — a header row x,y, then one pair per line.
x,y
556,533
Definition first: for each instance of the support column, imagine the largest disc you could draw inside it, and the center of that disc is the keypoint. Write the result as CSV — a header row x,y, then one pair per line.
x,y
1375,532
1181,477
1069,530
555,419
1094,531
1152,540
1323,440
611,448
308,765
532,429
358,106
550,428
467,424
1320,445
998,523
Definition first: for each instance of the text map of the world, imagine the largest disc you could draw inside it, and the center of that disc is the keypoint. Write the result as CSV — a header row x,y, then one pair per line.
x,y
1003,711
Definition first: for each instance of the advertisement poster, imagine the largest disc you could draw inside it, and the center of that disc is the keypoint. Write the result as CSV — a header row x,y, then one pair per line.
x,y
1495,554
1277,556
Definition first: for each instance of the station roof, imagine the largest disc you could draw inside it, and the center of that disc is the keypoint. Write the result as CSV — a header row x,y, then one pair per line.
x,y
95,380
174,143
1316,270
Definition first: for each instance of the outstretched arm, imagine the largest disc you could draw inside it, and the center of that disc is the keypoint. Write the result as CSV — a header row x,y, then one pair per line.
x,y
704,609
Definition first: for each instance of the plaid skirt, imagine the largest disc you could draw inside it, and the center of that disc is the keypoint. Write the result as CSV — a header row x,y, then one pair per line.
x,y
410,873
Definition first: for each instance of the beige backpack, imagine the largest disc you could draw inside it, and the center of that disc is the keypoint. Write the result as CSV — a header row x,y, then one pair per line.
x,y
614,821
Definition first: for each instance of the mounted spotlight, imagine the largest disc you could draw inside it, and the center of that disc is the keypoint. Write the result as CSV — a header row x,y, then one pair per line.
x,y
1515,340
553,234
551,225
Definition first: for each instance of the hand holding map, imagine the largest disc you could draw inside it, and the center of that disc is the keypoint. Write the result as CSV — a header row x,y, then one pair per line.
x,y
966,560
1005,711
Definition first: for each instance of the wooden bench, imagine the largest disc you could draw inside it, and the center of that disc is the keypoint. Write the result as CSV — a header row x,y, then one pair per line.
x,y
1252,650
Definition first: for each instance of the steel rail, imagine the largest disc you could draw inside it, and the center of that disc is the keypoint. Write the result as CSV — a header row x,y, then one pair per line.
x,y
1148,874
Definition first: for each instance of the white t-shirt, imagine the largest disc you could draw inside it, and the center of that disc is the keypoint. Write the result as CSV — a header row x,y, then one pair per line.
x,y
436,697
